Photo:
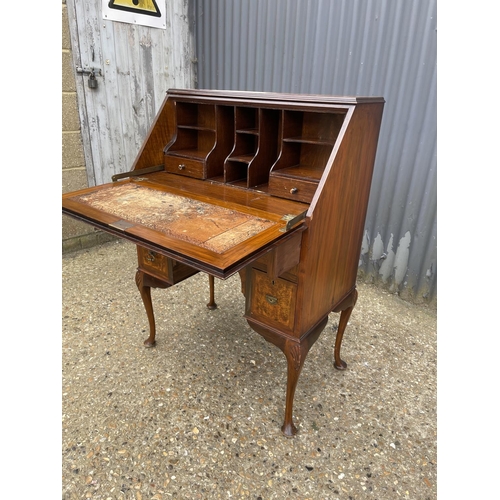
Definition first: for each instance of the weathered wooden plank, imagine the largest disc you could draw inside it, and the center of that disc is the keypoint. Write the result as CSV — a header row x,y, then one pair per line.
x,y
138,64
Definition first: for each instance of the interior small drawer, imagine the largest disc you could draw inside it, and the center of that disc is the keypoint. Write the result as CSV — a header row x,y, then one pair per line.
x,y
292,188
185,166
154,263
272,300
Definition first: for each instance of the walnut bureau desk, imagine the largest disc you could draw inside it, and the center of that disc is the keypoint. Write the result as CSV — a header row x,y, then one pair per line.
x,y
272,186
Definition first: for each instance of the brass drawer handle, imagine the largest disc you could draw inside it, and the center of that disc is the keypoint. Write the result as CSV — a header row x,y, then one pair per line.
x,y
150,257
182,166
272,300
294,190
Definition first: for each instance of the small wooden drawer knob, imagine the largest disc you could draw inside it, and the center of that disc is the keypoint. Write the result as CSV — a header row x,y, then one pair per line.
x,y
182,166
294,190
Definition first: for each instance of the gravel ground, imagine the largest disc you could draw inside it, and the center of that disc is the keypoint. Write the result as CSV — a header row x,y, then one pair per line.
x,y
199,415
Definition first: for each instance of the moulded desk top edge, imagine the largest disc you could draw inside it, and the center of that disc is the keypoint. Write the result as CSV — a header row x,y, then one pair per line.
x,y
272,96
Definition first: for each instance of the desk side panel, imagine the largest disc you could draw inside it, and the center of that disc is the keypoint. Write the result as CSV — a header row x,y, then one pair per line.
x,y
331,246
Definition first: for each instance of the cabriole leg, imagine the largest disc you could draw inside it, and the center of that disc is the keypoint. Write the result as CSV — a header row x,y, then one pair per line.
x,y
295,355
295,352
144,283
346,307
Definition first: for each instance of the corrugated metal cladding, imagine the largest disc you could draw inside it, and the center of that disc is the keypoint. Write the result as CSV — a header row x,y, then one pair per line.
x,y
373,48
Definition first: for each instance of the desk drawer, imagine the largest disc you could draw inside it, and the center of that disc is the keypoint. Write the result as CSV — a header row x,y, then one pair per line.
x,y
185,166
154,263
162,267
292,188
272,301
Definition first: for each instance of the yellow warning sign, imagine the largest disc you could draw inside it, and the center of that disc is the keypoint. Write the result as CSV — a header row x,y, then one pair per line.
x,y
139,12
148,7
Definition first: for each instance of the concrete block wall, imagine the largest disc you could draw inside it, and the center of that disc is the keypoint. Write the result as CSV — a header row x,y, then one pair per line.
x,y
76,235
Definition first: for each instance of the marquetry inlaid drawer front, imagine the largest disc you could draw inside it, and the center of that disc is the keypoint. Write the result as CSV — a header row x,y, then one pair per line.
x,y
154,263
292,188
272,301
185,166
